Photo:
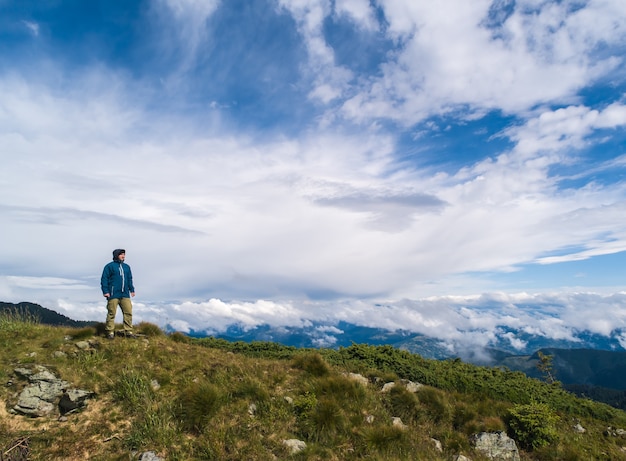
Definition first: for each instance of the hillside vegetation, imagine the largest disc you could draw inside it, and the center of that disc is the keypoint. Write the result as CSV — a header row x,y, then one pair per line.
x,y
210,399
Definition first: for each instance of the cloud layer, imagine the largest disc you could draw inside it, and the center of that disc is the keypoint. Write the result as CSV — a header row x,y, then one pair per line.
x,y
361,152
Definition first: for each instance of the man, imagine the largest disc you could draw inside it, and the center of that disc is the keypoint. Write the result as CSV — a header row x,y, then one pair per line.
x,y
117,288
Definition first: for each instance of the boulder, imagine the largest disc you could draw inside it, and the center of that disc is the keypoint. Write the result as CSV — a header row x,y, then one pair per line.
x,y
496,445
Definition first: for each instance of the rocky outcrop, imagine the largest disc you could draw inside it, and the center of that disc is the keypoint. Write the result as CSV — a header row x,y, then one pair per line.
x,y
46,394
496,445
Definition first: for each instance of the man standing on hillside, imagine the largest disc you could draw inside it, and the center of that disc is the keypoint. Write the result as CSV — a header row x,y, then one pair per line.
x,y
117,288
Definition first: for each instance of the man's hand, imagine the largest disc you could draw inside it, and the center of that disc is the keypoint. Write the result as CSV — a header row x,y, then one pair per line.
x,y
133,294
107,295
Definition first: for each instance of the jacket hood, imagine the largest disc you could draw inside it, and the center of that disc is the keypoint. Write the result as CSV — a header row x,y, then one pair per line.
x,y
117,253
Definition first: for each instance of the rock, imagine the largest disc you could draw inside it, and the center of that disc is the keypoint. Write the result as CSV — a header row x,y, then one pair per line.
x,y
437,444
387,387
294,445
74,399
408,385
252,409
461,458
413,387
59,354
397,422
150,456
358,378
579,429
154,384
496,445
289,400
369,419
83,345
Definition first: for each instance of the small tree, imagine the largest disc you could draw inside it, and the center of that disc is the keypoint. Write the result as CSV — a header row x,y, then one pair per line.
x,y
533,425
545,366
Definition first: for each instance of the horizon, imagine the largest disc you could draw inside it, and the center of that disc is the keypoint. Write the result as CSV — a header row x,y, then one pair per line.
x,y
455,169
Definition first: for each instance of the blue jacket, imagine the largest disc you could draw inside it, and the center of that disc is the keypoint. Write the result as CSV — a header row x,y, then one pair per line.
x,y
117,280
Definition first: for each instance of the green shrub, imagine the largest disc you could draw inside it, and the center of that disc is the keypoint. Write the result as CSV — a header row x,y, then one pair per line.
x,y
386,440
326,421
179,337
149,329
533,425
197,404
404,404
349,391
436,403
252,390
312,363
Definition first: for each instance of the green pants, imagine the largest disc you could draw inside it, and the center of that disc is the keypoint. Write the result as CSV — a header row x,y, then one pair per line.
x,y
127,311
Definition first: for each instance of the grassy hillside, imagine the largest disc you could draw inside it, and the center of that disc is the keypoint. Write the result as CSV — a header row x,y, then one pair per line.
x,y
188,399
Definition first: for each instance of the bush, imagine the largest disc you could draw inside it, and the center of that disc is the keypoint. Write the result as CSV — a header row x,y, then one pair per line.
x,y
386,440
179,337
404,404
196,405
533,425
149,329
437,404
312,363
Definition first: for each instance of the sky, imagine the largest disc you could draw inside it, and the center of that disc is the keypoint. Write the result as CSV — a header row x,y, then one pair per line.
x,y
444,167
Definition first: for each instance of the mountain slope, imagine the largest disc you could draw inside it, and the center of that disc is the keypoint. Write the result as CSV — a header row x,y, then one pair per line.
x,y
41,314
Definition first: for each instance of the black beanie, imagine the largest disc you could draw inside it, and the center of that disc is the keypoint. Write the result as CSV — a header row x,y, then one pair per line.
x,y
117,253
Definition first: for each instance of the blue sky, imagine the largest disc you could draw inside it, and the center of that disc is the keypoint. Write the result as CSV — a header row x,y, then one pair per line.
x,y
316,157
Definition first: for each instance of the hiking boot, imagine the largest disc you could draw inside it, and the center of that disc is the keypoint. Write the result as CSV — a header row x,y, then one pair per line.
x,y
110,335
130,336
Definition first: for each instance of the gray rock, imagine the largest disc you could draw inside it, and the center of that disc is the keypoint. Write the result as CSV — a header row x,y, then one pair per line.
x,y
413,387
437,444
59,354
397,422
83,345
74,399
496,445
387,387
150,456
294,445
461,458
358,378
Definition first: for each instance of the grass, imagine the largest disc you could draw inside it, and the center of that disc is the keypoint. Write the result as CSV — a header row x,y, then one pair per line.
x,y
209,399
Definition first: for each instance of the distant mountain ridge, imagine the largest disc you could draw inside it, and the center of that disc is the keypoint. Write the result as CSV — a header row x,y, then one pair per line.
x,y
42,314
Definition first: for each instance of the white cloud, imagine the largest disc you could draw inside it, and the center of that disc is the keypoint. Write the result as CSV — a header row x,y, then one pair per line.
x,y
565,128
464,323
449,60
32,27
329,80
359,11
